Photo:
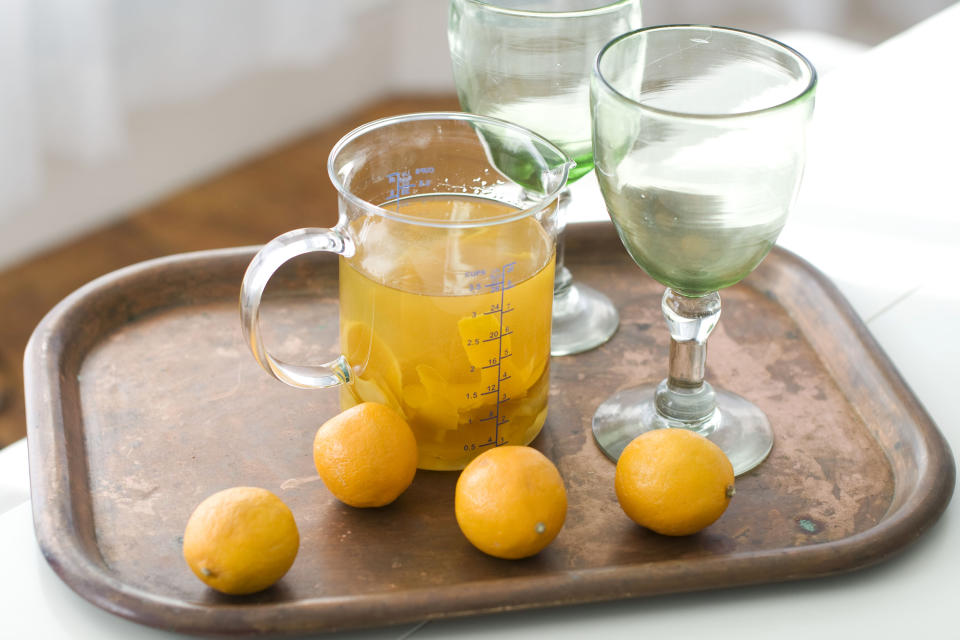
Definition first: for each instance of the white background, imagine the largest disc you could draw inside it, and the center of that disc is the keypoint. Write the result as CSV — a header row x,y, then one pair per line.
x,y
107,105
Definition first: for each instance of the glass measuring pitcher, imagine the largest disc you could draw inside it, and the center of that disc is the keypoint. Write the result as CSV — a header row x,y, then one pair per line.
x,y
447,241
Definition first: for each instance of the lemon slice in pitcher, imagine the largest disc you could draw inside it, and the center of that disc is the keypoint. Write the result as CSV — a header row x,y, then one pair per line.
x,y
486,349
433,400
377,370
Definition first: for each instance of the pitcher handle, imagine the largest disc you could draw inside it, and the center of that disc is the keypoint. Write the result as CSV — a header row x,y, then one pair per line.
x,y
271,257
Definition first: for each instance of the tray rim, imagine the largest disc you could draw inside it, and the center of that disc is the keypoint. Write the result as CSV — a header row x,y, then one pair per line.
x,y
52,489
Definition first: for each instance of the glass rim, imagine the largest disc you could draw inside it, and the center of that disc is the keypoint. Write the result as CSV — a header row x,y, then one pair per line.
x,y
602,8
445,116
801,95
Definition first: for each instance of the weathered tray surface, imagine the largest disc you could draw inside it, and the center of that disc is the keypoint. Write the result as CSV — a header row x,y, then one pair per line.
x,y
142,399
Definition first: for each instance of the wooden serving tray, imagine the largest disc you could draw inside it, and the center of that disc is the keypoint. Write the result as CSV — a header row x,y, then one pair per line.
x,y
142,399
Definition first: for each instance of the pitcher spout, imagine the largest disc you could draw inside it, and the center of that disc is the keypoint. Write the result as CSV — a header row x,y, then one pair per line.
x,y
555,178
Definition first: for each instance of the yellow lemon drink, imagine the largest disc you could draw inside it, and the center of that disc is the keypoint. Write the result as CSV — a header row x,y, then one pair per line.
x,y
451,327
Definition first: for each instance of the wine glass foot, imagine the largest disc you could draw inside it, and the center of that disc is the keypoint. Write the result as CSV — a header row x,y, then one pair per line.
x,y
742,430
583,318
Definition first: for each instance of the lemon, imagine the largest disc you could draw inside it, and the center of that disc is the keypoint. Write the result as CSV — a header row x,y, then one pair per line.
x,y
366,455
673,481
510,502
241,540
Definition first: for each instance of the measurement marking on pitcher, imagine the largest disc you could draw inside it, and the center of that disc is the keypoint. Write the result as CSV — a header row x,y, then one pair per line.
x,y
498,281
406,183
504,285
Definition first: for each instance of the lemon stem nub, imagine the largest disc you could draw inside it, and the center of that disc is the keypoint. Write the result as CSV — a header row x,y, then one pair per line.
x,y
540,528
206,572
730,491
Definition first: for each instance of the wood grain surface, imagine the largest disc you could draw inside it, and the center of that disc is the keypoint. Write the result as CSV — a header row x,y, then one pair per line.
x,y
143,400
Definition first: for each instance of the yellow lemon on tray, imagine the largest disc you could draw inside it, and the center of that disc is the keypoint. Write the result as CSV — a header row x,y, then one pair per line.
x,y
673,481
366,455
241,540
510,502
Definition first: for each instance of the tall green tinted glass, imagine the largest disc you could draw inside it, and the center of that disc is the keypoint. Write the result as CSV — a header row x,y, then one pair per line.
x,y
699,139
697,170
529,62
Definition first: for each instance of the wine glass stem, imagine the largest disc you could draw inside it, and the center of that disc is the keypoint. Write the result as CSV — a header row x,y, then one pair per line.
x,y
685,399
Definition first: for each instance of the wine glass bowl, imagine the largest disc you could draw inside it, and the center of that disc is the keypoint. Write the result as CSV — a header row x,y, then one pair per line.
x,y
529,62
699,143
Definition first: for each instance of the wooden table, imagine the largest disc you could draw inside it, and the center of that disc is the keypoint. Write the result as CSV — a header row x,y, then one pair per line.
x,y
248,205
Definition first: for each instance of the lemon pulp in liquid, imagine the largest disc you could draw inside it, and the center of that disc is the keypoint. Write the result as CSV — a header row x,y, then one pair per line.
x,y
451,327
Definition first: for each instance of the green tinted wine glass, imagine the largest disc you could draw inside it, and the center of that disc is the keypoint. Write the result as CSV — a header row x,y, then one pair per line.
x,y
528,62
699,139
